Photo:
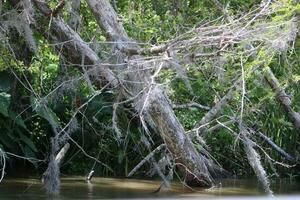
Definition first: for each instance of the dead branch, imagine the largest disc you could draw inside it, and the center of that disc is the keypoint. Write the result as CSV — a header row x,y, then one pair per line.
x,y
254,161
275,146
107,18
252,155
51,176
61,154
90,175
190,105
146,159
215,110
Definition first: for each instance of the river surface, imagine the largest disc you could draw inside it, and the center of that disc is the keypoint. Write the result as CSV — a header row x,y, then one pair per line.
x,y
106,188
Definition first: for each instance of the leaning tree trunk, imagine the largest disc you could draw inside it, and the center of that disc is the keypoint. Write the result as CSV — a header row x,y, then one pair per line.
x,y
159,111
156,110
151,103
283,98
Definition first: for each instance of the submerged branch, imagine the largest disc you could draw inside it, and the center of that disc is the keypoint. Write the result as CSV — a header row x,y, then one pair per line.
x,y
146,159
255,162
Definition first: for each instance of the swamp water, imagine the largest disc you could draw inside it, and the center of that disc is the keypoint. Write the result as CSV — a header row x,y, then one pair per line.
x,y
104,188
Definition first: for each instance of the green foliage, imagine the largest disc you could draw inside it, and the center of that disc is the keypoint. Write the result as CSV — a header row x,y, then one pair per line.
x,y
46,113
4,103
14,133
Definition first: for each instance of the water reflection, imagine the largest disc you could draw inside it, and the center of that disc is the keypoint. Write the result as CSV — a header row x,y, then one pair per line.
x,y
90,189
99,188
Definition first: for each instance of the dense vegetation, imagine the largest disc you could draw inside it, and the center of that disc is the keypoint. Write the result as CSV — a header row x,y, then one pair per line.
x,y
41,91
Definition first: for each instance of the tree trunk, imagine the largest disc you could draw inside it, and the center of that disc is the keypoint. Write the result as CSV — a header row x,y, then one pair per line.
x,y
160,112
153,105
51,176
283,98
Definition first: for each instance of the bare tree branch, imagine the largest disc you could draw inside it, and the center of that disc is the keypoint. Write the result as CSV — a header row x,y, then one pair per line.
x,y
190,105
146,159
275,146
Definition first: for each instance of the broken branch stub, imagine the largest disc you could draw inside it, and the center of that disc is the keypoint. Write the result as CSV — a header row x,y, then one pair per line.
x,y
51,176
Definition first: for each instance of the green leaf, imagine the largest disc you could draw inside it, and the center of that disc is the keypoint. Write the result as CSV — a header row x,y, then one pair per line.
x,y
45,112
296,78
27,141
4,103
17,119
7,142
6,81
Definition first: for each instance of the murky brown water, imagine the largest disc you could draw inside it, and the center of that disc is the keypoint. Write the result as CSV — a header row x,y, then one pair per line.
x,y
103,188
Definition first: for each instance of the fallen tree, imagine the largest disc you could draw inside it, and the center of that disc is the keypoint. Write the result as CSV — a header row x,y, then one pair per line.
x,y
152,105
283,98
135,80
